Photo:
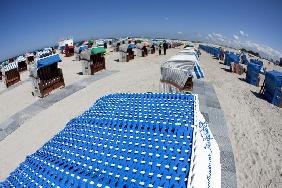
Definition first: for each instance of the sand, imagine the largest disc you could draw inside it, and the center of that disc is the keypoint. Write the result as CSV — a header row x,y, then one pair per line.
x,y
254,124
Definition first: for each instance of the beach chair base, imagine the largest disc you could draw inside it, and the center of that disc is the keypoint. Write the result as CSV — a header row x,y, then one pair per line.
x,y
96,67
46,86
188,87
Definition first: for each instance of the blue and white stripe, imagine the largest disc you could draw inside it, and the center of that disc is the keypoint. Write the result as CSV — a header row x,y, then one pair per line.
x,y
10,66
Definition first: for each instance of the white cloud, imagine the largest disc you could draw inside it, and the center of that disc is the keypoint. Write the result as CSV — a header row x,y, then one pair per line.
x,y
218,35
179,32
235,37
242,33
238,42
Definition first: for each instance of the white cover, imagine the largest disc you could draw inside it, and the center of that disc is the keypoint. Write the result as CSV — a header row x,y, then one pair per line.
x,y
183,57
69,42
205,167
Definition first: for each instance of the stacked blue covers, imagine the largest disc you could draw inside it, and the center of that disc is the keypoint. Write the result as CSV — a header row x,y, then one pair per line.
x,y
211,50
252,76
273,85
124,140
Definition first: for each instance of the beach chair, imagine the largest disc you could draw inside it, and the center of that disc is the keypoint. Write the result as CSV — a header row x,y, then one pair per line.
x,y
22,66
178,72
69,51
130,54
93,60
271,89
10,74
125,53
46,76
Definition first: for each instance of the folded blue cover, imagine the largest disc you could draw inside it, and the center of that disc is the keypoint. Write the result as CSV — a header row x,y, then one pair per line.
x,y
43,62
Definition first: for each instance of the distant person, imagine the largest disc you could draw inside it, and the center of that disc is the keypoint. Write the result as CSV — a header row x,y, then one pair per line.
x,y
153,49
165,46
105,45
160,49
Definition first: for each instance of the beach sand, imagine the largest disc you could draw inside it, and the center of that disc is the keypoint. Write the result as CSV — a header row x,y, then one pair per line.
x,y
254,124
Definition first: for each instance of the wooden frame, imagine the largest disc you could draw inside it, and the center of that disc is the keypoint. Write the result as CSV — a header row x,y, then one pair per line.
x,y
187,87
11,77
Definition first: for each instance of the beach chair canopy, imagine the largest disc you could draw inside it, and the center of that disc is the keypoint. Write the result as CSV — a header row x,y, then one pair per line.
x,y
45,61
98,50
82,48
139,46
20,59
90,42
189,46
124,47
188,52
9,66
131,46
85,55
184,57
187,59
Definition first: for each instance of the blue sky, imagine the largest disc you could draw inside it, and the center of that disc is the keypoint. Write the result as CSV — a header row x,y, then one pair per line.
x,y
27,25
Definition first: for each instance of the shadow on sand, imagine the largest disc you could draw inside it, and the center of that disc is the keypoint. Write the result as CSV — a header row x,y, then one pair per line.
x,y
79,73
243,79
258,95
227,70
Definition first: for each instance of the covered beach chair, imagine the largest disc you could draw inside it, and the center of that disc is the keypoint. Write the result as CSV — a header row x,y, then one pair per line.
x,y
178,72
29,58
78,50
141,50
69,50
126,52
10,73
93,60
46,75
22,65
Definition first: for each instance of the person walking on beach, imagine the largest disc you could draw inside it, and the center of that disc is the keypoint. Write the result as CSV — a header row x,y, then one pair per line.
x,y
160,49
165,46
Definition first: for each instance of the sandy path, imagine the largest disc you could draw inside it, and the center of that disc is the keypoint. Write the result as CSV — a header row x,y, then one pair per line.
x,y
255,127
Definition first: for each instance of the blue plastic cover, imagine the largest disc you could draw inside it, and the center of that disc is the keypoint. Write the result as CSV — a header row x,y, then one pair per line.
x,y
124,140
273,81
252,75
131,46
48,60
82,48
258,62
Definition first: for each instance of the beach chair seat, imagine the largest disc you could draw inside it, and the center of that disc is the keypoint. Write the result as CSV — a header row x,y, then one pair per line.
x,y
98,63
53,81
130,54
22,66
